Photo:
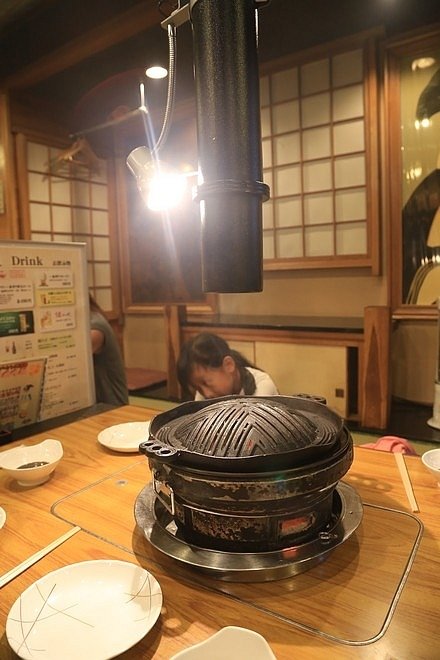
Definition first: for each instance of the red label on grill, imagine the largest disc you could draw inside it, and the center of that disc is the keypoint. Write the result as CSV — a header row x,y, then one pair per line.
x,y
296,525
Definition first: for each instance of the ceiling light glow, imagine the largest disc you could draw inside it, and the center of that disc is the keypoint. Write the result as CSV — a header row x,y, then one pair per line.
x,y
156,72
422,63
422,123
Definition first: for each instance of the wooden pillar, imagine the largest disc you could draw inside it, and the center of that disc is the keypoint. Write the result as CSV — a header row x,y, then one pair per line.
x,y
375,377
174,315
8,204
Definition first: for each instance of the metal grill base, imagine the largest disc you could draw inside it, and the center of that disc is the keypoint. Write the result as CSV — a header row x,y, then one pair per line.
x,y
160,530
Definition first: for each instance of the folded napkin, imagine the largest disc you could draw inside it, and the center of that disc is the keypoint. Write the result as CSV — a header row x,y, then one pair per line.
x,y
392,443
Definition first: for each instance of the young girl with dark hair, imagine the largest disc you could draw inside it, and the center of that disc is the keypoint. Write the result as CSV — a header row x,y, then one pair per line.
x,y
207,368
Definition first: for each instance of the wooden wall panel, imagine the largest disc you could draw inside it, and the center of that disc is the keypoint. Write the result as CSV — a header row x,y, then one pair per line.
x,y
314,370
376,386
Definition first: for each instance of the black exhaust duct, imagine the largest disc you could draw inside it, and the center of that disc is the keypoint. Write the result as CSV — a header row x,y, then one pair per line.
x,y
229,143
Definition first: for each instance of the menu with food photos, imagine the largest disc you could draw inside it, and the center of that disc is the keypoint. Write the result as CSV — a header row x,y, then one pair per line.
x,y
46,367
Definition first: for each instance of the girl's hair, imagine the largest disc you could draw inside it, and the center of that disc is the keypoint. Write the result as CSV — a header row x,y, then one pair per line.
x,y
209,350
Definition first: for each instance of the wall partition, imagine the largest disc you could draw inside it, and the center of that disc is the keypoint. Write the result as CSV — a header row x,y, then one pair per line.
x,y
67,198
319,141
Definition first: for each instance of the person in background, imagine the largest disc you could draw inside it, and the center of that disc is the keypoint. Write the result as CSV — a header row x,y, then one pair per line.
x,y
208,368
108,366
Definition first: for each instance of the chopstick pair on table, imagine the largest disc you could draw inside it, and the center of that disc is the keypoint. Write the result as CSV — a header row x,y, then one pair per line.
x,y
14,572
406,481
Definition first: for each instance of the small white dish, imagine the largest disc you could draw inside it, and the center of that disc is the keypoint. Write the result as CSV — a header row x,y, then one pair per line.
x,y
32,465
125,437
2,517
231,643
93,609
431,460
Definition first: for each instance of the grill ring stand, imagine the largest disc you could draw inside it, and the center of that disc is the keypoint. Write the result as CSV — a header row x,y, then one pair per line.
x,y
160,530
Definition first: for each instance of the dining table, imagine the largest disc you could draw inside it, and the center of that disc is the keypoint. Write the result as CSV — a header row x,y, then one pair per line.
x,y
376,595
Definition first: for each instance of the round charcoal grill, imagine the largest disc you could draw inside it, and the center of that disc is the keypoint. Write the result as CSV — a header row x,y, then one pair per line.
x,y
251,474
244,433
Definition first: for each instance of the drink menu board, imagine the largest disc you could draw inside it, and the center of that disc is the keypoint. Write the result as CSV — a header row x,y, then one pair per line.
x,y
46,367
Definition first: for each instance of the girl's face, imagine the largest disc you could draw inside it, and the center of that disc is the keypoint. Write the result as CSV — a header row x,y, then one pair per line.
x,y
212,382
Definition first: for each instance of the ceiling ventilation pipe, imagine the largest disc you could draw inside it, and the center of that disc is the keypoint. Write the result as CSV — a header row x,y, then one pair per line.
x,y
231,190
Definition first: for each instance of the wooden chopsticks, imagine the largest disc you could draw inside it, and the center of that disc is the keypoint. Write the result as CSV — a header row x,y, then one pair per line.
x,y
406,481
11,574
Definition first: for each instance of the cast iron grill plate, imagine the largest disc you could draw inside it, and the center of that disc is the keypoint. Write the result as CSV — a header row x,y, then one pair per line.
x,y
248,426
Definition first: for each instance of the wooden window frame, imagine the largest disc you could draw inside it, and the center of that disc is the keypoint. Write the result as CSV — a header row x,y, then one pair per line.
x,y
414,44
371,260
206,307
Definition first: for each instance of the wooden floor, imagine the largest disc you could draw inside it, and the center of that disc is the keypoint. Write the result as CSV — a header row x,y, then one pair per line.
x,y
409,421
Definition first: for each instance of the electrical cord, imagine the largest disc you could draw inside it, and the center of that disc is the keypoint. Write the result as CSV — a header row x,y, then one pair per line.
x,y
171,89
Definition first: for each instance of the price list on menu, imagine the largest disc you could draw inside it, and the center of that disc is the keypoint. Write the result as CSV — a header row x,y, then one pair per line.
x,y
46,367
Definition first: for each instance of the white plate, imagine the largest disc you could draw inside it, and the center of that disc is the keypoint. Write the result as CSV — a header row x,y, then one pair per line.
x,y
125,437
93,609
230,643
2,517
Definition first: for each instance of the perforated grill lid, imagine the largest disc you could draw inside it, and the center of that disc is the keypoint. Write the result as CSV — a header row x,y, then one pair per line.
x,y
248,426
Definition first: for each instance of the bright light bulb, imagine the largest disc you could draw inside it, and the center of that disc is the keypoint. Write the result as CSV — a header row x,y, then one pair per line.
x,y
156,72
424,123
161,186
165,191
